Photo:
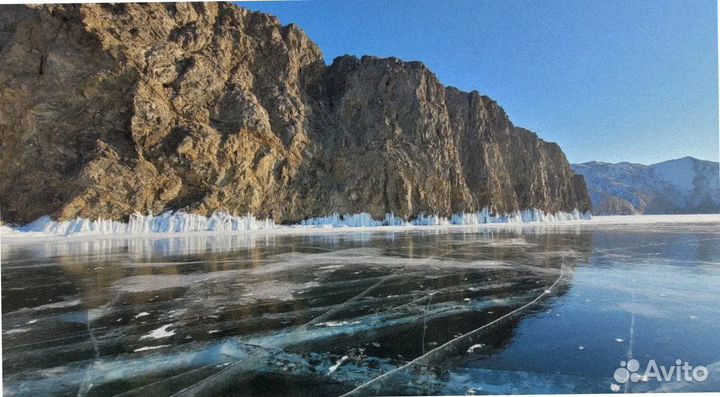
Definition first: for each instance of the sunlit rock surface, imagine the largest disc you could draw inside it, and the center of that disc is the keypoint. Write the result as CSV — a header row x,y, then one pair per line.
x,y
108,110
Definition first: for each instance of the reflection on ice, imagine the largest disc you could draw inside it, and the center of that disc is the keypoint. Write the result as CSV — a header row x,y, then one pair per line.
x,y
450,312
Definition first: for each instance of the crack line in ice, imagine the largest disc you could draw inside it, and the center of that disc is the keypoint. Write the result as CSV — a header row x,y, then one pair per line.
x,y
152,388
339,307
417,361
252,362
201,387
343,305
231,371
427,307
632,341
87,384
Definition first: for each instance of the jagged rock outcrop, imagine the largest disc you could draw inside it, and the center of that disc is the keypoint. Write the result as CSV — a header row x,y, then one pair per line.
x,y
107,110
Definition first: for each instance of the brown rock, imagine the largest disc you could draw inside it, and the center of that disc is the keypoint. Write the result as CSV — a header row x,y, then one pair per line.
x,y
106,110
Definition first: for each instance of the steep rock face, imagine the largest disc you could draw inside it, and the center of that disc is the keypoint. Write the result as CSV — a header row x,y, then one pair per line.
x,y
388,141
124,108
508,167
680,186
106,110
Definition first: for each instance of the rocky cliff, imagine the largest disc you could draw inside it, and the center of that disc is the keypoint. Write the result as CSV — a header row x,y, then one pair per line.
x,y
680,186
107,110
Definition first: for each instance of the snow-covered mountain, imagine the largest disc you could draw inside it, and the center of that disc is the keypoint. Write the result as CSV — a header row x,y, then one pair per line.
x,y
680,186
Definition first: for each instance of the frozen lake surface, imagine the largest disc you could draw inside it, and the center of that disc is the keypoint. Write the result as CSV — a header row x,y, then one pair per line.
x,y
526,309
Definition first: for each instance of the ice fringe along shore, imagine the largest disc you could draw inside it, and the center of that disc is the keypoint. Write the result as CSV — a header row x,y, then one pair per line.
x,y
475,218
182,222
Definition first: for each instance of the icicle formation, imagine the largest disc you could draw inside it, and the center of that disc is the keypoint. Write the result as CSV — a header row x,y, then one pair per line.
x,y
362,219
182,222
335,220
474,218
524,216
168,222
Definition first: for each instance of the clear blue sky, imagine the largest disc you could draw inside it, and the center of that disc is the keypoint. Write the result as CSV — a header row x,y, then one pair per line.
x,y
630,80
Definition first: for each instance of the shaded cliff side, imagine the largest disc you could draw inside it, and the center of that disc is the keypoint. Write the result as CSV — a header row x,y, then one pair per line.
x,y
107,110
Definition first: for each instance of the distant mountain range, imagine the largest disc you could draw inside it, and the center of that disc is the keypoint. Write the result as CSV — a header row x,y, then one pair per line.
x,y
681,186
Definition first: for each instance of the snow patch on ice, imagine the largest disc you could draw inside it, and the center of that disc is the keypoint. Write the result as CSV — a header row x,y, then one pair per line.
x,y
472,348
337,364
16,331
142,349
336,323
56,305
159,333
